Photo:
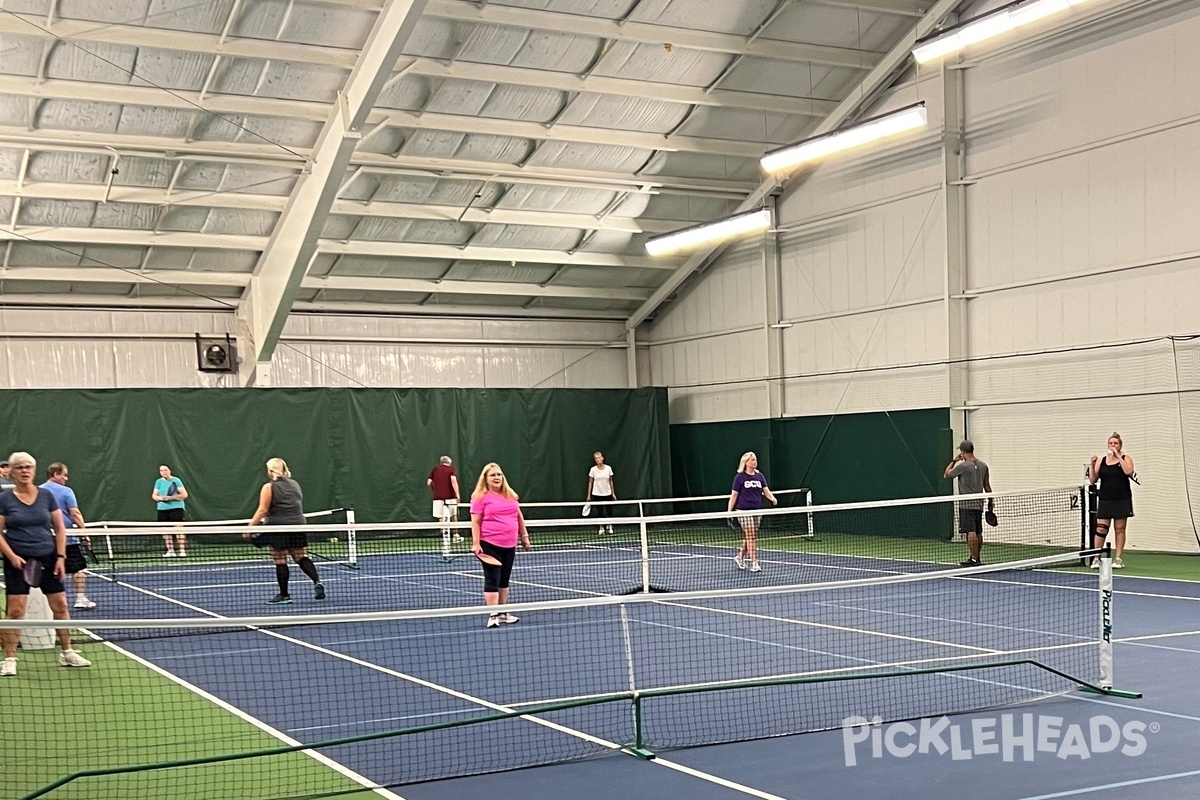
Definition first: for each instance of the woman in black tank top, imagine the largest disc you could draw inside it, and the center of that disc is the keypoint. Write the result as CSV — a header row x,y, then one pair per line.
x,y
1112,471
281,502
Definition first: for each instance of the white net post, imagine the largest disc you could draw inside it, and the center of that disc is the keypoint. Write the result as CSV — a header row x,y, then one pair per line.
x,y
108,544
645,537
808,501
351,538
1106,619
447,511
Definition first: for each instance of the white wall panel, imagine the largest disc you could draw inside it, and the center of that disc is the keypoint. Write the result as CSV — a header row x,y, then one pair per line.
x,y
109,349
727,295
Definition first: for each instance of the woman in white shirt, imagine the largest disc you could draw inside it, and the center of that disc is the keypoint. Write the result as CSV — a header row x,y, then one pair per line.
x,y
601,490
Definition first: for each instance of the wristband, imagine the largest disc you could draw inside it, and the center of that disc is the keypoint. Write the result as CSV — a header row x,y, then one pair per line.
x,y
60,555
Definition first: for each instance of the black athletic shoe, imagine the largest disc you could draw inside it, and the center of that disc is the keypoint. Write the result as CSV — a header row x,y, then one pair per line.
x,y
318,591
970,562
280,600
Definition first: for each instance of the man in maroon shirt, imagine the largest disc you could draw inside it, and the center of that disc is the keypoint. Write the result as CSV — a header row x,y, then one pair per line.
x,y
443,481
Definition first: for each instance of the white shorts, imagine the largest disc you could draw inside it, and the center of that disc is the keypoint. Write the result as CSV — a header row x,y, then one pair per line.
x,y
445,509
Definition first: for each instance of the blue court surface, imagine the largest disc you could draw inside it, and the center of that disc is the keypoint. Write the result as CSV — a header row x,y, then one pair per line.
x,y
385,675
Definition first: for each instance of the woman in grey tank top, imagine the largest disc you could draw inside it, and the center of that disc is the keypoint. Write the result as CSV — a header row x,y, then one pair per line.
x,y
281,502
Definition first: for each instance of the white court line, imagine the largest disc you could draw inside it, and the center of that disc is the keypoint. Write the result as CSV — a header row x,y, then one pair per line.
x,y
958,621
1138,708
360,723
1150,636
191,656
1078,588
841,628
1107,786
587,737
337,767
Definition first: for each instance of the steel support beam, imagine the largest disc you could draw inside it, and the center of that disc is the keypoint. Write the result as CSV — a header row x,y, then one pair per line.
x,y
857,99
773,283
245,201
277,277
226,105
85,276
954,289
297,159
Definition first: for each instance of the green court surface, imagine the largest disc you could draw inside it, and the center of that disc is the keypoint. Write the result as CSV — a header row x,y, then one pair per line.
x,y
111,730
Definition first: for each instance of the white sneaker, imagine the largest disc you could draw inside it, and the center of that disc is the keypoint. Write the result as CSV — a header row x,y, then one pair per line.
x,y
456,538
69,658
493,621
1118,563
169,554
754,567
1095,563
83,603
183,553
8,667
508,619
741,564
610,530
601,531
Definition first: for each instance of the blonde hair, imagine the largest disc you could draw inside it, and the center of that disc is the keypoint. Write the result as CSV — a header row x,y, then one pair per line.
x,y
746,456
1117,436
278,468
481,484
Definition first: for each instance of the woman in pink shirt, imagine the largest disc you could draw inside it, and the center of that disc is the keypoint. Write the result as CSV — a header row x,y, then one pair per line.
x,y
496,523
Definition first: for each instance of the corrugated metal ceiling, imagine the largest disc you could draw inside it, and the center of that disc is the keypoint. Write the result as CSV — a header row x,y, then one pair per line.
x,y
518,157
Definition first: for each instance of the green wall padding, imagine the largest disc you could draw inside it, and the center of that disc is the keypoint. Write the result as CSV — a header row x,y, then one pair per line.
x,y
846,458
369,449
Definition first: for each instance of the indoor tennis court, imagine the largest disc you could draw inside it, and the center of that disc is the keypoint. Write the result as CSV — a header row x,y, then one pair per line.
x,y
431,399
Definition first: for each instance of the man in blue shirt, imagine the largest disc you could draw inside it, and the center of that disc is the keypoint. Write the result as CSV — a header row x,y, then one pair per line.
x,y
76,564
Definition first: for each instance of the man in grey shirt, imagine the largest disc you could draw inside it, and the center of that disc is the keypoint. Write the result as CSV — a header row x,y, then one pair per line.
x,y
6,482
973,478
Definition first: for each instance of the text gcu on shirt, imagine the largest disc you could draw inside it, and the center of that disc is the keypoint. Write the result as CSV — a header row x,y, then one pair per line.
x,y
749,488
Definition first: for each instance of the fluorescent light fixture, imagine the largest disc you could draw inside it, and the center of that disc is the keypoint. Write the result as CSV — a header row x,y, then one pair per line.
x,y
1000,21
780,325
710,232
869,130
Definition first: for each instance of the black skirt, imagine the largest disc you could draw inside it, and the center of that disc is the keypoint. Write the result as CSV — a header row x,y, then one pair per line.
x,y
1119,508
286,541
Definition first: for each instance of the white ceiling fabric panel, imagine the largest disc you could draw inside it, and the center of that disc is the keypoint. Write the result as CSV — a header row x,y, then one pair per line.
x,y
577,128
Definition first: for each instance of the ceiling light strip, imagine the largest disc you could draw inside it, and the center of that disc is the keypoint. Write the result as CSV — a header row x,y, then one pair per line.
x,y
869,130
987,26
710,232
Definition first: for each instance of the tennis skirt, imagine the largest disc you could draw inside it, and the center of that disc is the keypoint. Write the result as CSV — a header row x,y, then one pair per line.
x,y
1119,508
286,541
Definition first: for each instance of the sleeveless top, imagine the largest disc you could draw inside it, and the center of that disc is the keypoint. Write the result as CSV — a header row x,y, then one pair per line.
x,y
287,503
1114,483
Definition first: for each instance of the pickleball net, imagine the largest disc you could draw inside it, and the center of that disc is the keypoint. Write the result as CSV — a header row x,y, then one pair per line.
x,y
388,566
211,707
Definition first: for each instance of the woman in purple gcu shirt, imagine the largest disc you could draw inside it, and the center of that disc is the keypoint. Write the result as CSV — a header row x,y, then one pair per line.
x,y
749,488
496,524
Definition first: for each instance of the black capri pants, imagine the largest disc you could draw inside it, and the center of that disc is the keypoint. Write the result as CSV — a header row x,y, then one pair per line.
x,y
496,578
601,505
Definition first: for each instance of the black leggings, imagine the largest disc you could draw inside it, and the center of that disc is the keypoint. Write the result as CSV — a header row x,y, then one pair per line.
x,y
600,504
496,578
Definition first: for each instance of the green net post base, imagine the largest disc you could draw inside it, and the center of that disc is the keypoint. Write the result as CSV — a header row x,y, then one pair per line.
x,y
1110,692
641,752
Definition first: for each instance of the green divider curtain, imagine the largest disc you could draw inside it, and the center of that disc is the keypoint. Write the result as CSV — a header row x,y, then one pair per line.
x,y
370,449
846,458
